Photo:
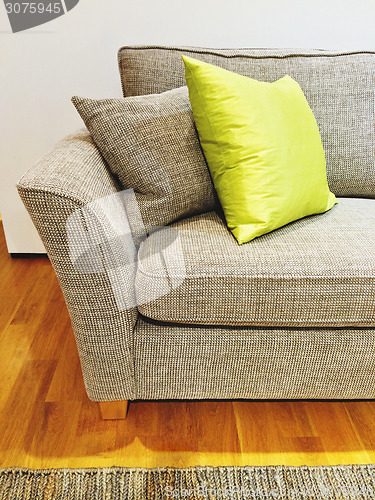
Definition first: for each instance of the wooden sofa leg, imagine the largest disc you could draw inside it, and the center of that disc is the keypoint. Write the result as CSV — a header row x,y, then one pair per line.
x,y
113,410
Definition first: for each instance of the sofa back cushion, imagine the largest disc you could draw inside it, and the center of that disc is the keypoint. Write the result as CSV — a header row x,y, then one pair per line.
x,y
339,87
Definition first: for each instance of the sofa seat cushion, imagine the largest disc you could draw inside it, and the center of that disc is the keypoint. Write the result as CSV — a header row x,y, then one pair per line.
x,y
318,271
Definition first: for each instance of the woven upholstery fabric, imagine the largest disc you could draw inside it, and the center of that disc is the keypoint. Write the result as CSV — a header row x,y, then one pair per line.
x,y
70,176
339,88
151,144
318,271
187,362
352,482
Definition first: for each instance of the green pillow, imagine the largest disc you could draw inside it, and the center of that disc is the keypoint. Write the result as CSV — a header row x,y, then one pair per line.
x,y
262,146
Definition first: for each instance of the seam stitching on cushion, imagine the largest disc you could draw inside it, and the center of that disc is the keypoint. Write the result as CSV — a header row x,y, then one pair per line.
x,y
212,51
263,322
122,73
257,276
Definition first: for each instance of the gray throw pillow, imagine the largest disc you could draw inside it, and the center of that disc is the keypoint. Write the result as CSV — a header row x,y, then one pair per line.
x,y
150,143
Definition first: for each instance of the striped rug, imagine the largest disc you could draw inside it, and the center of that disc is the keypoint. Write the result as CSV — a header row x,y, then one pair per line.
x,y
326,482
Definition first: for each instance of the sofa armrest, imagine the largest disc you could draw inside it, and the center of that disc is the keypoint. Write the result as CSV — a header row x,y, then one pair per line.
x,y
73,176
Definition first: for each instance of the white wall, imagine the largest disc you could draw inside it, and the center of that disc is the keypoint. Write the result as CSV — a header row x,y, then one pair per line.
x,y
40,69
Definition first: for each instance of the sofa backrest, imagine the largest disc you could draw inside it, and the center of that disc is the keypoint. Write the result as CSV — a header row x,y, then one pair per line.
x,y
339,86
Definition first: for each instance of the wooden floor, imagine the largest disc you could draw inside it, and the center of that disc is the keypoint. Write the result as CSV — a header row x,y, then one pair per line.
x,y
47,421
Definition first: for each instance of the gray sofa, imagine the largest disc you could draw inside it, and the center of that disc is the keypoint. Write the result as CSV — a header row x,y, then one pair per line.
x,y
289,315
